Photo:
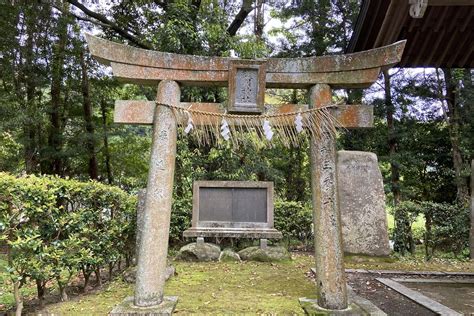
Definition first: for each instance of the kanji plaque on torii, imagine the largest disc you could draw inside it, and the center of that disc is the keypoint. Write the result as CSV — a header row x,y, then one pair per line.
x,y
246,81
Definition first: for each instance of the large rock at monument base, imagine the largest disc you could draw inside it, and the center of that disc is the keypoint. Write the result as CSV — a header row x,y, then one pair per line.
x,y
268,254
362,204
228,255
130,274
199,252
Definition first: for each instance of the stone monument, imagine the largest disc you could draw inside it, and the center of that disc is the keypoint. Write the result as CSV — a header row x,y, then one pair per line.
x,y
235,209
362,204
246,81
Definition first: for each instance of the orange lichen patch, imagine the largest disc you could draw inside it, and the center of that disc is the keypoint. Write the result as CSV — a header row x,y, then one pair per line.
x,y
289,108
355,116
350,116
134,112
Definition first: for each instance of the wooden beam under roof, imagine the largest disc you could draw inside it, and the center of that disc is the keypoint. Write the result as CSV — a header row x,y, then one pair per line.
x,y
427,38
450,2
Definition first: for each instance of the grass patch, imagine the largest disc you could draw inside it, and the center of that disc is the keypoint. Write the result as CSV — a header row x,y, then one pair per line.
x,y
418,224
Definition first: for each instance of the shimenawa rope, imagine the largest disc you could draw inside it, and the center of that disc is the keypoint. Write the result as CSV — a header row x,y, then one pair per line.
x,y
289,128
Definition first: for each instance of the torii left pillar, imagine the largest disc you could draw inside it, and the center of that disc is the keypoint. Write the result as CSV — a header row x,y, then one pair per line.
x,y
153,248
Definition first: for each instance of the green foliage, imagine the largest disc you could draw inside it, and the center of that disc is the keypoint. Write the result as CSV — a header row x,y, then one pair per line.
x,y
405,215
294,220
9,151
446,227
251,47
56,227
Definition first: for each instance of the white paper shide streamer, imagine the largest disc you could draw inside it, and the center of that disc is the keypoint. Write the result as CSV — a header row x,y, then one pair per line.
x,y
225,131
190,125
299,122
267,130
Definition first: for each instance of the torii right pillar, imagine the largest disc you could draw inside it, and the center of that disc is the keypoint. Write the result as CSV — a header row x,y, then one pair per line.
x,y
330,274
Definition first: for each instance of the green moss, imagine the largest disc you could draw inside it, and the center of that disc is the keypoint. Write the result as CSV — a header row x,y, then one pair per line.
x,y
368,259
408,263
214,287
245,287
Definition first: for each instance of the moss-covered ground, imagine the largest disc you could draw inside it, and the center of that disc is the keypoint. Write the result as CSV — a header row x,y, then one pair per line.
x,y
248,287
209,288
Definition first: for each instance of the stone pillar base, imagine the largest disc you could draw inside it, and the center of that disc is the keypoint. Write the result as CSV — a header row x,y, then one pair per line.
x,y
127,308
311,307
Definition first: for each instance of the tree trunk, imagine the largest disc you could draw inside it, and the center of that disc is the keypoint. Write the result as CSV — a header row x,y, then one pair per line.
x,y
294,170
86,274
87,107
98,278
55,137
258,19
429,249
111,271
108,167
454,121
31,146
62,291
40,289
18,298
16,284
402,225
392,141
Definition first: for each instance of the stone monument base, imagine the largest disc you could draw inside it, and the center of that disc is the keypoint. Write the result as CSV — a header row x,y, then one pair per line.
x,y
127,308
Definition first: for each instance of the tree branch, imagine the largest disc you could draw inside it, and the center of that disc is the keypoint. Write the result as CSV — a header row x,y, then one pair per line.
x,y
103,20
82,18
240,17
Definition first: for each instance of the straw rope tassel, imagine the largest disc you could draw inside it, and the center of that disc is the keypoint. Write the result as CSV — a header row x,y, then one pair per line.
x,y
289,128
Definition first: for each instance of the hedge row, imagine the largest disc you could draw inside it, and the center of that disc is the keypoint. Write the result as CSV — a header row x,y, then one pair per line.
x,y
446,227
55,228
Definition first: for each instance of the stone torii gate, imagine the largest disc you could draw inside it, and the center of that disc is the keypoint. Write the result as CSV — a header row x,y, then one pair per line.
x,y
246,80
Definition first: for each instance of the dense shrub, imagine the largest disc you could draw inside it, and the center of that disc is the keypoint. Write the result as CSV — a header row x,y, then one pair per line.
x,y
180,219
446,227
405,215
57,227
294,220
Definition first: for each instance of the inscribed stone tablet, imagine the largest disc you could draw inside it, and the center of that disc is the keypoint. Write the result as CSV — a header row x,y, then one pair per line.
x,y
362,204
249,205
215,204
233,204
